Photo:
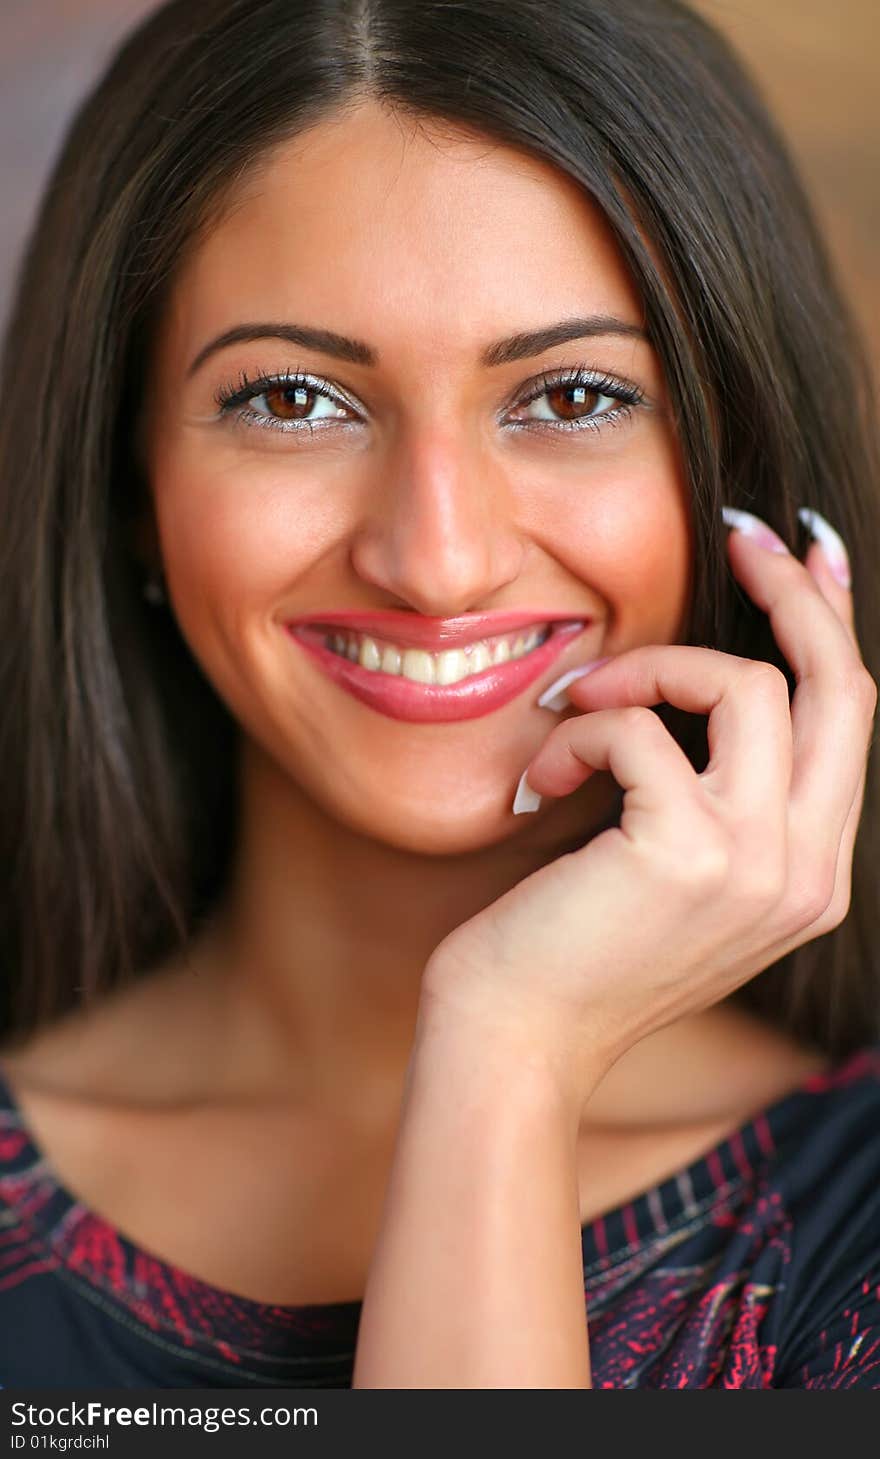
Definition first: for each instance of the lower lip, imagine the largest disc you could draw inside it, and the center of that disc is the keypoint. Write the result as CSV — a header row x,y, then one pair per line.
x,y
400,698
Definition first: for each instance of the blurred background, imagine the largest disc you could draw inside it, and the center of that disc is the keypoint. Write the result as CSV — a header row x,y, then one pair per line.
x,y
818,66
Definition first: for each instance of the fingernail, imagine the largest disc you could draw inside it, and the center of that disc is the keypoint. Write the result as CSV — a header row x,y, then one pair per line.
x,y
525,799
753,527
554,698
832,545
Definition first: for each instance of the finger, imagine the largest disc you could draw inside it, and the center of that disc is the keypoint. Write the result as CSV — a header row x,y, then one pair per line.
x,y
749,724
828,708
840,895
839,598
843,870
637,749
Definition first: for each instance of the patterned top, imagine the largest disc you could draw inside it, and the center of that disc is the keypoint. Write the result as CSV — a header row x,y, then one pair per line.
x,y
757,1266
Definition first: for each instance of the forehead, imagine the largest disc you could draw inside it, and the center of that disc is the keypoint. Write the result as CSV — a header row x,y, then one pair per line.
x,y
384,226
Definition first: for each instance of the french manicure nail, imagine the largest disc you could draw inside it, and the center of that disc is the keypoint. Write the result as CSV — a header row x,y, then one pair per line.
x,y
831,543
553,696
753,527
525,799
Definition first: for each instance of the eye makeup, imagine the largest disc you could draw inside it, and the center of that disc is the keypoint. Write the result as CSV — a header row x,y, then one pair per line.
x,y
291,389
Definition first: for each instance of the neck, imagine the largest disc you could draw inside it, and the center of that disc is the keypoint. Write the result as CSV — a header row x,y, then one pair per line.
x,y
314,961
324,933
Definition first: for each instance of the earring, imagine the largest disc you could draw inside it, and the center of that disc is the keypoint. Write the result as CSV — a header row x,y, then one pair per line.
x,y
154,590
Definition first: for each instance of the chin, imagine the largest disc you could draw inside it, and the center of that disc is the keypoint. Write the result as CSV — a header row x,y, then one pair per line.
x,y
426,833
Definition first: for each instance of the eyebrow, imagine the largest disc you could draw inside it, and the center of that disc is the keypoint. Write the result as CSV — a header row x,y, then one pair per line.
x,y
356,352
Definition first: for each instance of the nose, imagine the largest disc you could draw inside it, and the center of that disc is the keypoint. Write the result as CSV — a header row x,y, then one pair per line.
x,y
438,528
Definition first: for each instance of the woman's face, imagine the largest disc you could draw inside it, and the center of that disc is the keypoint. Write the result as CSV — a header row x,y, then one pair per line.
x,y
432,478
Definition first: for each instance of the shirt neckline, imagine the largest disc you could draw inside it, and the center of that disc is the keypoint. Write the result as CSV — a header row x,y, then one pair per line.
x,y
86,1247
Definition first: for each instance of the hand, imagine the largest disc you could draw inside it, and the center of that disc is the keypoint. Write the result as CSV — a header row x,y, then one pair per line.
x,y
710,877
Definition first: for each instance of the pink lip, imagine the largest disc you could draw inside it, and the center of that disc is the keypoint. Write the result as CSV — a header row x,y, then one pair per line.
x,y
400,698
433,634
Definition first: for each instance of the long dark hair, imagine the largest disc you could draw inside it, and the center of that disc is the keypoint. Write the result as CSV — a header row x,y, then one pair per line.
x,y
117,758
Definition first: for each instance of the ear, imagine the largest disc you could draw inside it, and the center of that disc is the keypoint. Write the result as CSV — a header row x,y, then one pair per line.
x,y
143,540
141,532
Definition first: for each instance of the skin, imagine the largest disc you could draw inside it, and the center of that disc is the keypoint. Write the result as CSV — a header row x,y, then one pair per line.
x,y
366,842
254,527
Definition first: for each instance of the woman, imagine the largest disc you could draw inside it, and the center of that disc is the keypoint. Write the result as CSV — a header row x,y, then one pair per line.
x,y
379,981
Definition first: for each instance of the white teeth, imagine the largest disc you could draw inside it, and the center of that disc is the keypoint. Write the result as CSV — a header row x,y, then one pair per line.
x,y
369,656
452,666
480,658
447,667
525,644
418,666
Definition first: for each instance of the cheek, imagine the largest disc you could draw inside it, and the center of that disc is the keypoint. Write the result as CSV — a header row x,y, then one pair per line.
x,y
233,535
629,537
234,538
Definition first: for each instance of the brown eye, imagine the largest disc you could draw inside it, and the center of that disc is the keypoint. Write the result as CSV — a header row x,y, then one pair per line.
x,y
577,402
294,403
571,402
290,402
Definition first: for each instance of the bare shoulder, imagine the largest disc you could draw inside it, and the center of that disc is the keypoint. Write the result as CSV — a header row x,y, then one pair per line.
x,y
109,1051
79,1086
198,1182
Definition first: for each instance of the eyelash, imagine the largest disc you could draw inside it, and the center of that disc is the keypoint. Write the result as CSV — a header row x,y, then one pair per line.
x,y
231,397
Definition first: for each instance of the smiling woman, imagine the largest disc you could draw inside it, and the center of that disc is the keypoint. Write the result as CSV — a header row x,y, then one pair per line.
x,y
430,468
372,421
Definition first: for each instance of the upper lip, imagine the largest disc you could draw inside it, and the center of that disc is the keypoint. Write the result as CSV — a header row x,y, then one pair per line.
x,y
411,631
